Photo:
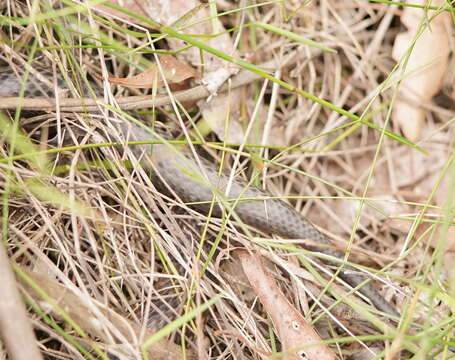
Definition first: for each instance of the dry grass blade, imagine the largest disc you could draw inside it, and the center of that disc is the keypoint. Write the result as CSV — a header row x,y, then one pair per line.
x,y
125,338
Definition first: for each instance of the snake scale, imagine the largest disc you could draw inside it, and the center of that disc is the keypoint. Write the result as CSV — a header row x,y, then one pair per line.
x,y
180,173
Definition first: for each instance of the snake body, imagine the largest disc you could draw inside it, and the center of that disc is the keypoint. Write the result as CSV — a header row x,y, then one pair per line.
x,y
194,181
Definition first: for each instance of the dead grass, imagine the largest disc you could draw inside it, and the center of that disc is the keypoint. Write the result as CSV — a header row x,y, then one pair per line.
x,y
94,223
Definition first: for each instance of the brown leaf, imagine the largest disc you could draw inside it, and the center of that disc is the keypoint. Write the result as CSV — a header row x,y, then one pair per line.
x,y
216,70
173,71
291,326
425,68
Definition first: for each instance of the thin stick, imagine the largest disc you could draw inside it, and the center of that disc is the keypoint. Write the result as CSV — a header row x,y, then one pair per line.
x,y
137,102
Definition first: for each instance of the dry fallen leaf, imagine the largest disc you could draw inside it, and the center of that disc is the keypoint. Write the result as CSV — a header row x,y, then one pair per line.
x,y
174,72
442,198
237,279
292,328
416,174
134,6
426,66
180,13
384,206
216,70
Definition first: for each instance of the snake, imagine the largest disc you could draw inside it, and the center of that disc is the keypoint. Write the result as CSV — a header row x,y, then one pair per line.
x,y
197,180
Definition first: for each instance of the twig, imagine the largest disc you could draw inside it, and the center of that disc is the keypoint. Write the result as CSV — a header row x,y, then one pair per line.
x,y
138,102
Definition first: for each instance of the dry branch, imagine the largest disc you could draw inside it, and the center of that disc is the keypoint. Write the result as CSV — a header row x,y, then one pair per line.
x,y
137,102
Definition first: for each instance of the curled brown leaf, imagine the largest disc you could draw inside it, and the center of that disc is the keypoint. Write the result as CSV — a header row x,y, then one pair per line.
x,y
292,328
173,71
